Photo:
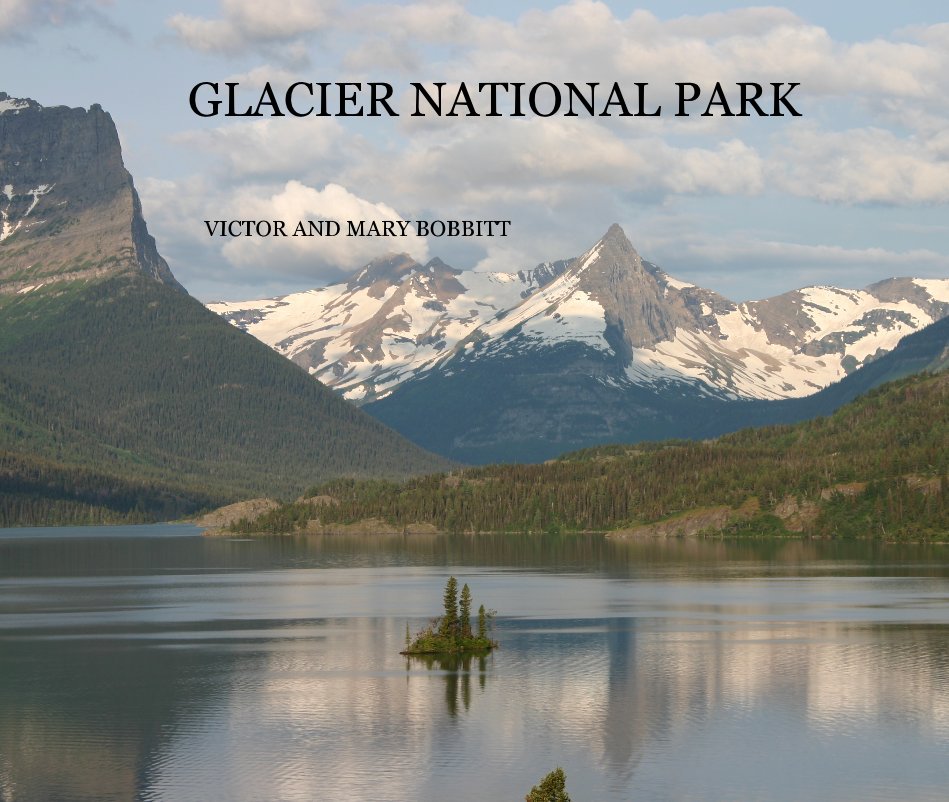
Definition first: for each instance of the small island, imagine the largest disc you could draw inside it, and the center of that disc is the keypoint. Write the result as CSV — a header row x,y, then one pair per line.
x,y
451,634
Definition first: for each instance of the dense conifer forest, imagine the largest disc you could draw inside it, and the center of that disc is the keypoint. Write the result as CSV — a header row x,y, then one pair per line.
x,y
875,468
127,400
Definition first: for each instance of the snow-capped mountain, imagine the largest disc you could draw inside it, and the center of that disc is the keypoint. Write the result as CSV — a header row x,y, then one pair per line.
x,y
396,321
390,322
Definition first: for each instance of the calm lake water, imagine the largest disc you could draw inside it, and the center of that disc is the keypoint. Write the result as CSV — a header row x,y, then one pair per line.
x,y
150,663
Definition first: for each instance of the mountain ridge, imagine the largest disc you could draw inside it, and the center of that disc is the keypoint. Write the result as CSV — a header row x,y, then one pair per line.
x,y
605,347
657,329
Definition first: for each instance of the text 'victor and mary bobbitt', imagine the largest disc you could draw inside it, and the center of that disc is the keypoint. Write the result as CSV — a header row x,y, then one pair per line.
x,y
490,99
358,228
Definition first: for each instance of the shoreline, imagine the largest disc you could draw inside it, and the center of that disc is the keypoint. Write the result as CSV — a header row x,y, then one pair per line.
x,y
429,530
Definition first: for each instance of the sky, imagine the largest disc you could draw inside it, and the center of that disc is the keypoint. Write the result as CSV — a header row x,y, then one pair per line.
x,y
853,191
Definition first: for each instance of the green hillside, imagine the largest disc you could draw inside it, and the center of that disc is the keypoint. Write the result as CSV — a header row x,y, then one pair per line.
x,y
875,468
125,399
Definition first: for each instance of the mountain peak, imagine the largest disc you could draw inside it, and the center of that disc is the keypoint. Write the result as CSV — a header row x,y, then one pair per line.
x,y
616,237
436,265
638,311
382,272
69,208
614,251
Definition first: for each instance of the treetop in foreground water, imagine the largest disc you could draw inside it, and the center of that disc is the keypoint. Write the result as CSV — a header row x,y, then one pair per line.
x,y
553,788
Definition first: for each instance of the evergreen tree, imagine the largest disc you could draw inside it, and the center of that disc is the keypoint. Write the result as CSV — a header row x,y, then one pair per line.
x,y
450,635
449,625
465,612
551,789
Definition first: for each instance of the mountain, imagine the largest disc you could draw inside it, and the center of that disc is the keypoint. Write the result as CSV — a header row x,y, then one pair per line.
x,y
68,207
606,347
121,397
875,468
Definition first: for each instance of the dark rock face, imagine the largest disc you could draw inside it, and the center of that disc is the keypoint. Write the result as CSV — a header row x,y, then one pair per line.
x,y
69,208
641,306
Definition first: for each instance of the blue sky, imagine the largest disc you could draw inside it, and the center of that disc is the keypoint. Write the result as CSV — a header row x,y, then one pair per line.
x,y
853,192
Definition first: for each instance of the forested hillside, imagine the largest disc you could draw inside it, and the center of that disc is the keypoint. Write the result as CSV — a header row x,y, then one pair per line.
x,y
125,399
877,467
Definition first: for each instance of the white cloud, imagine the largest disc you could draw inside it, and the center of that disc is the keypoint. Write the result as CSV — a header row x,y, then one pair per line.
x,y
542,160
319,256
19,17
178,211
869,165
873,131
804,255
246,24
270,147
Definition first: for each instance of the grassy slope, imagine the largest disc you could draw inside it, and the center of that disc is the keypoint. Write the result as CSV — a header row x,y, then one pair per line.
x,y
126,399
876,467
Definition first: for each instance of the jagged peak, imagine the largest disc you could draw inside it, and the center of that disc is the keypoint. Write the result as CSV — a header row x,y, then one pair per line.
x,y
436,265
14,105
613,253
615,236
392,268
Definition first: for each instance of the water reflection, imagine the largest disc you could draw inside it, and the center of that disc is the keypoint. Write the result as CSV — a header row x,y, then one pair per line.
x,y
457,671
678,671
75,553
596,554
86,718
682,708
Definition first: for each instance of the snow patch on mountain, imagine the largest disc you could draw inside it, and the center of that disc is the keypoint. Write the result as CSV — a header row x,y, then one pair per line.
x,y
750,370
13,104
937,288
12,215
556,312
676,284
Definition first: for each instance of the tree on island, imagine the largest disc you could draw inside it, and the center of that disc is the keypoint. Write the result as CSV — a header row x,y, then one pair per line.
x,y
451,634
449,624
553,788
466,612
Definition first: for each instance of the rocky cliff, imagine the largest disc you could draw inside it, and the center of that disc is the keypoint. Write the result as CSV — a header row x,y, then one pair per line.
x,y
68,208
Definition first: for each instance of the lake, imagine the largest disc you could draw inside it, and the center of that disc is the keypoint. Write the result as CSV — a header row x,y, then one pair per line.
x,y
151,663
